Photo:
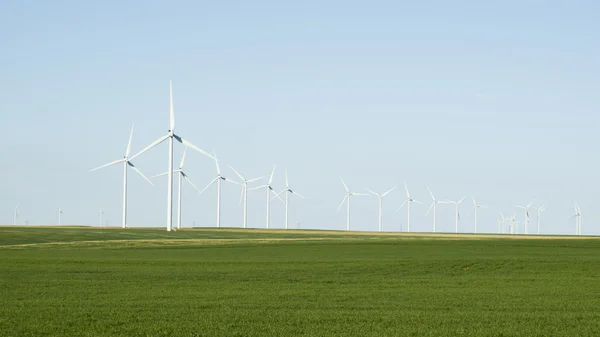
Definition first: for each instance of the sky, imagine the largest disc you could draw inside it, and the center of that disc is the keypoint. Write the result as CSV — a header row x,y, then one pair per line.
x,y
493,100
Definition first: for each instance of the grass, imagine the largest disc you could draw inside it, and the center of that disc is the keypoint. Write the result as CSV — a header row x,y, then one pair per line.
x,y
260,283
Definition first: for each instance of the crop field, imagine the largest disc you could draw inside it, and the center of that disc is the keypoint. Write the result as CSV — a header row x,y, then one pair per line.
x,y
218,282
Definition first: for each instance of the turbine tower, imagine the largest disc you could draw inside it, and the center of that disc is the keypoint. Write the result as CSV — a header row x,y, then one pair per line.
x,y
434,206
218,181
59,213
182,175
126,164
170,136
288,191
456,203
16,215
101,213
245,193
270,190
380,198
577,218
539,216
347,196
407,202
475,207
526,208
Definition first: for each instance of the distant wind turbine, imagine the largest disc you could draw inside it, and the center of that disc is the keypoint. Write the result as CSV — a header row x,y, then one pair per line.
x,y
126,164
245,193
380,198
16,215
577,218
434,206
59,213
182,175
526,208
170,136
347,196
101,213
457,213
287,192
270,190
407,202
218,180
475,207
539,216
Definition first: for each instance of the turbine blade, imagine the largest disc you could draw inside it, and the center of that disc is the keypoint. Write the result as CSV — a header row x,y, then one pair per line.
x,y
171,110
430,193
183,158
461,200
216,162
471,211
242,195
256,188
406,188
277,196
430,207
207,186
346,187
129,142
190,181
272,173
417,201
286,178
236,172
109,164
345,197
405,201
532,200
159,175
153,144
372,192
256,179
194,147
231,181
388,191
353,193
298,194
139,172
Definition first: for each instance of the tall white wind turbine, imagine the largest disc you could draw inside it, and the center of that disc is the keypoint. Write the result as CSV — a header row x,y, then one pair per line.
x,y
527,219
287,192
15,215
347,196
170,136
126,164
101,213
380,199
269,190
577,217
457,203
182,175
59,213
245,193
218,180
434,206
474,209
407,202
539,216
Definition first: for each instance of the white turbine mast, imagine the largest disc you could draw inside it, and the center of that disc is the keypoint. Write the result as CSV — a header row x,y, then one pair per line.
x,y
433,206
101,213
126,164
409,200
380,198
16,215
539,215
218,180
475,207
244,194
170,136
577,217
347,196
527,218
182,175
287,192
456,203
59,213
269,190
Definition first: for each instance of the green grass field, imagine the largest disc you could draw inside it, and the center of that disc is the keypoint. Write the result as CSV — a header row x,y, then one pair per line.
x,y
92,282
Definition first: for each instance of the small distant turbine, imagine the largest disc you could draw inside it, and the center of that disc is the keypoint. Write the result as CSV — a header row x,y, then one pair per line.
x,y
218,180
380,197
270,190
101,213
59,213
16,215
539,216
434,206
407,202
526,208
577,218
475,207
348,195
287,192
245,193
457,213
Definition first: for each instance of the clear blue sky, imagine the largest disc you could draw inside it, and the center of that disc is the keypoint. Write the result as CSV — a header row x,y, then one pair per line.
x,y
494,100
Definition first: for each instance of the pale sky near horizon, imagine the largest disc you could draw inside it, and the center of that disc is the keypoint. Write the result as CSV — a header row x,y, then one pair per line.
x,y
497,100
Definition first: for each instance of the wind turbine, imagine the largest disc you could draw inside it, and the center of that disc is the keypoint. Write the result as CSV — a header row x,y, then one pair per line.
x,y
270,190
577,218
126,163
475,207
380,198
457,213
245,193
347,196
408,201
513,223
16,215
180,177
59,213
539,215
526,208
434,206
101,213
170,136
218,181
288,192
